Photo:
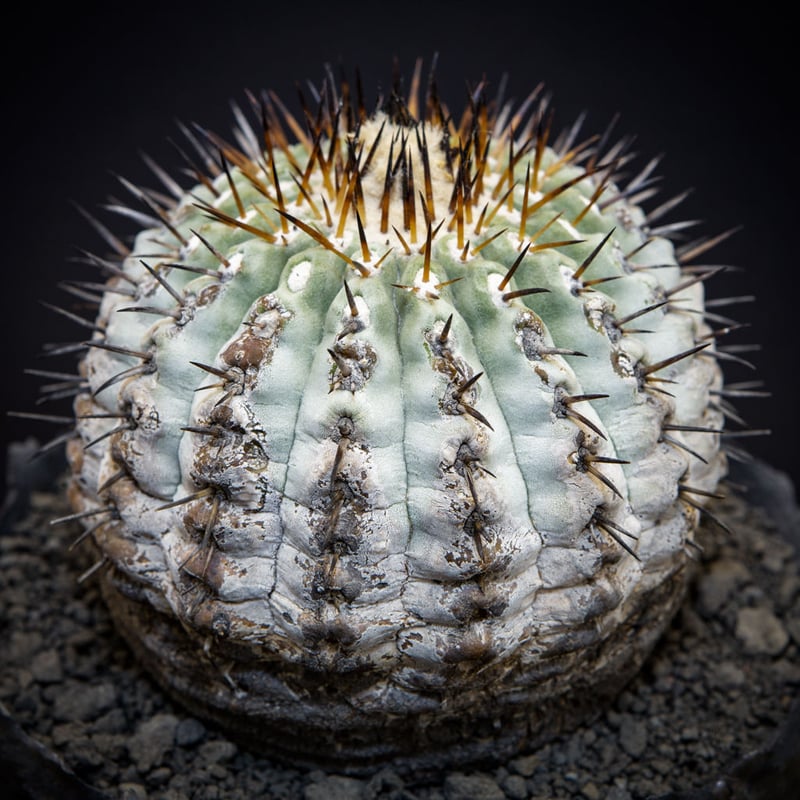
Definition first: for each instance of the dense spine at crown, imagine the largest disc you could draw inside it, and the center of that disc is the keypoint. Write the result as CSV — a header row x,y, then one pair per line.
x,y
393,439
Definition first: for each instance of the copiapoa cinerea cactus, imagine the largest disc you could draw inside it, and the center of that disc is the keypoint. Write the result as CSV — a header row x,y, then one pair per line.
x,y
394,430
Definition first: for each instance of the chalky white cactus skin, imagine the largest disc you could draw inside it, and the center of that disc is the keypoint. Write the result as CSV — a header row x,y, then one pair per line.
x,y
394,439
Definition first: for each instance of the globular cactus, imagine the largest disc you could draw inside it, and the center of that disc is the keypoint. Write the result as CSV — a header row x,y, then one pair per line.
x,y
393,440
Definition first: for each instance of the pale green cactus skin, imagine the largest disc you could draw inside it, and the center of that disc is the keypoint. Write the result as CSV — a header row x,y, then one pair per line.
x,y
353,507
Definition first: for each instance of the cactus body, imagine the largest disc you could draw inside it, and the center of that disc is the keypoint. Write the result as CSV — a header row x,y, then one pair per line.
x,y
393,439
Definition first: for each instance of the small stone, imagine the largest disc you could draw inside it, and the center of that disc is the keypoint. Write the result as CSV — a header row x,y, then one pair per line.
x,y
515,787
152,741
717,585
525,765
788,589
633,736
63,734
76,701
788,671
661,765
776,556
792,626
618,793
24,678
189,731
738,708
386,781
113,721
83,754
590,791
216,751
613,718
458,786
689,734
129,774
111,746
46,667
726,675
132,791
760,631
22,646
159,776
335,787
180,788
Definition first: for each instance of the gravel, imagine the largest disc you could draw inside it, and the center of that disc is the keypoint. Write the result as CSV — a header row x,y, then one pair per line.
x,y
717,690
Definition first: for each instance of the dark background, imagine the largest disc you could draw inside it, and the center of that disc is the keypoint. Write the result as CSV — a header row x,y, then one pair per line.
x,y
89,88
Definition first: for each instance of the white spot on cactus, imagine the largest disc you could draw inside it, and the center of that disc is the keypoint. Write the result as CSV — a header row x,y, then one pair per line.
x,y
298,277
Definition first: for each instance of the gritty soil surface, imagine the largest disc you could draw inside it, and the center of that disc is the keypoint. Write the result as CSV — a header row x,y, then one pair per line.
x,y
718,687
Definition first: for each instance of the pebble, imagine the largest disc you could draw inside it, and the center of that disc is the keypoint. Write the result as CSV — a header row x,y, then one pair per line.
x,y
159,776
459,786
24,678
726,675
690,734
132,791
525,765
189,731
110,744
216,751
788,590
760,631
152,741
717,585
113,721
792,626
63,734
386,779
633,736
84,754
76,701
22,646
788,671
46,667
334,787
515,787
776,556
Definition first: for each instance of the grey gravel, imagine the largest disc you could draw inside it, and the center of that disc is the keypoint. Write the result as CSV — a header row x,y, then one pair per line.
x,y
83,703
335,787
515,787
717,585
760,631
132,791
717,687
189,731
459,786
525,765
217,751
152,741
633,735
46,667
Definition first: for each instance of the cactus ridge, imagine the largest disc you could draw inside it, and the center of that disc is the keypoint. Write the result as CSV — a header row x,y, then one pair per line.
x,y
411,418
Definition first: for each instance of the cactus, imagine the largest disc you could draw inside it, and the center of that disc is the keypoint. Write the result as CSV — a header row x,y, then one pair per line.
x,y
394,430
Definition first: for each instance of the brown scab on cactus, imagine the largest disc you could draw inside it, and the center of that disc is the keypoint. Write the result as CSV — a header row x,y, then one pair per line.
x,y
395,426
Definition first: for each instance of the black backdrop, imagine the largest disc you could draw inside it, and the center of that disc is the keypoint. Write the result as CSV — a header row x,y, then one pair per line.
x,y
87,90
